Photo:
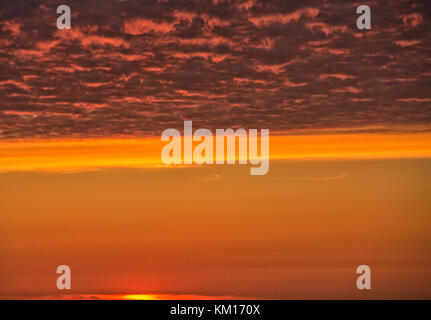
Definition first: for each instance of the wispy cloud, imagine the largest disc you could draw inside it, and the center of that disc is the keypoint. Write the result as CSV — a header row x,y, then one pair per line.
x,y
341,176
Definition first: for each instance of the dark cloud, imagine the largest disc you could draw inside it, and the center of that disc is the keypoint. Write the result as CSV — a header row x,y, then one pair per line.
x,y
138,67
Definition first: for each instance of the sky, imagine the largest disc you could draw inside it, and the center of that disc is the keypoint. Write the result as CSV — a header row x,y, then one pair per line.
x,y
298,232
82,182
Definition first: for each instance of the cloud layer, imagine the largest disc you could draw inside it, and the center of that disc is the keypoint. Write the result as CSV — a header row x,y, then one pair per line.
x,y
135,68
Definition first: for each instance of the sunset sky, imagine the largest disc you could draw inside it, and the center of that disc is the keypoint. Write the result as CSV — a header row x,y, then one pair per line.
x,y
82,182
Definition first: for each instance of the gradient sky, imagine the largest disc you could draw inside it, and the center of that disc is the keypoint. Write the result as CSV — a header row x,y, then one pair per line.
x,y
81,181
135,68
298,232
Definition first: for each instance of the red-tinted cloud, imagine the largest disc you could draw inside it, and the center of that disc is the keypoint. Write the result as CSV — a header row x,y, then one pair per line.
x,y
138,67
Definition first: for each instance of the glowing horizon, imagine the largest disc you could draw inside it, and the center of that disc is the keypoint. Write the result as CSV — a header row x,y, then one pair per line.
x,y
126,296
93,154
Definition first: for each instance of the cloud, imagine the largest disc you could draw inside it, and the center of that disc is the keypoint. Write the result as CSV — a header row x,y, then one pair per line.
x,y
341,176
135,68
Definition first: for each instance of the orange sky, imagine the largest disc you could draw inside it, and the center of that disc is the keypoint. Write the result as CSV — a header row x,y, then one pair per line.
x,y
82,182
213,231
87,154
